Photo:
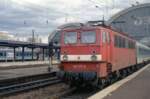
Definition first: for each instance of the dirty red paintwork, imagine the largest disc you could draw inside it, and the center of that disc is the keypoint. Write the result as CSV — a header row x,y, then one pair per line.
x,y
119,58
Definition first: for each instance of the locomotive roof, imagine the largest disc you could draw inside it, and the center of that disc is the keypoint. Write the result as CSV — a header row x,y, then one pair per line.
x,y
79,26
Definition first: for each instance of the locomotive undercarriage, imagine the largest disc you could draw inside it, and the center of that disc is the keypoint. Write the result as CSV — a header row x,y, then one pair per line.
x,y
117,75
78,78
90,78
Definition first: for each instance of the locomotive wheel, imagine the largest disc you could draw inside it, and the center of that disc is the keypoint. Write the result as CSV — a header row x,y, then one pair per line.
x,y
112,78
125,73
99,83
129,71
96,83
134,68
118,75
102,83
109,80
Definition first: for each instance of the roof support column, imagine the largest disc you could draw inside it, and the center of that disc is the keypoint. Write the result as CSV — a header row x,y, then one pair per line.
x,y
50,54
23,53
14,53
37,55
43,54
32,53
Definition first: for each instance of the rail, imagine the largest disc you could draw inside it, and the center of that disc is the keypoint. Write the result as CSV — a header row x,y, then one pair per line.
x,y
28,85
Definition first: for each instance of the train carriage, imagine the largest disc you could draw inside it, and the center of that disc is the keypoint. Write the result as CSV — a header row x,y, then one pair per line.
x,y
143,53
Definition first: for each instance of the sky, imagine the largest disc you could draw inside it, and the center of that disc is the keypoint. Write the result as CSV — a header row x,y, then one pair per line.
x,y
21,17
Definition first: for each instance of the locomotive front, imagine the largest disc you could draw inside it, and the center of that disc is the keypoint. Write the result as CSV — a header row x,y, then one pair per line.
x,y
80,54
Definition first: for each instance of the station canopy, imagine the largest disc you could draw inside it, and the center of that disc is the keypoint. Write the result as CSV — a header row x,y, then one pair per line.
x,y
135,21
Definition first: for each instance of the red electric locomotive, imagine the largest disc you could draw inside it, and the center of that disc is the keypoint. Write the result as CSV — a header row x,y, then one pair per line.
x,y
95,53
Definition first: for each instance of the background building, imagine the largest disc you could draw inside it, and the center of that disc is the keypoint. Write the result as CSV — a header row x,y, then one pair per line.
x,y
135,21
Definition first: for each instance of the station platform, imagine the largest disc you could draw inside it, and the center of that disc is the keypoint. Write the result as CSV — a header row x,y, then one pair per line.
x,y
135,86
21,72
14,65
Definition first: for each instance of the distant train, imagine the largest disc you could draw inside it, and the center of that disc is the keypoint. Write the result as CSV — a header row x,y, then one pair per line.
x,y
95,53
8,55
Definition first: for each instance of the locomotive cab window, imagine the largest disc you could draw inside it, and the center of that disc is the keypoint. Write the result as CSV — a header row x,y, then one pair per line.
x,y
70,38
108,37
104,37
88,37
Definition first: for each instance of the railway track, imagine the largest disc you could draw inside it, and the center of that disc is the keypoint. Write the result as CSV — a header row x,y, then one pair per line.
x,y
27,84
41,80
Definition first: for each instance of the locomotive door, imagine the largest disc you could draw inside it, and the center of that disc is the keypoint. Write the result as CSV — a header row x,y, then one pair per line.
x,y
106,45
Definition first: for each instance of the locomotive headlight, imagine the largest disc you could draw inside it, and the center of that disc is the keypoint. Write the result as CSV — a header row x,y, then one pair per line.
x,y
65,57
93,57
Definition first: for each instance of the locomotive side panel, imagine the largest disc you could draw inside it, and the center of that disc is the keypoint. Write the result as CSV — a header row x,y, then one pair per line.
x,y
120,55
105,48
124,53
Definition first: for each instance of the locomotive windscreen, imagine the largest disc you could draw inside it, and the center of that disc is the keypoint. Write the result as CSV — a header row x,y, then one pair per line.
x,y
70,37
88,37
